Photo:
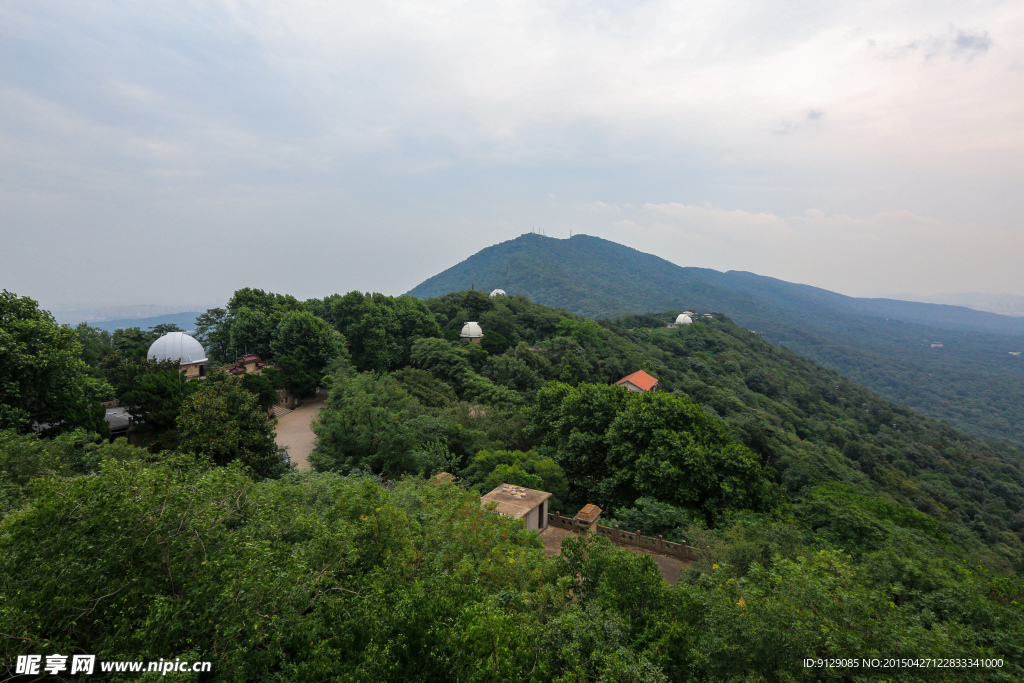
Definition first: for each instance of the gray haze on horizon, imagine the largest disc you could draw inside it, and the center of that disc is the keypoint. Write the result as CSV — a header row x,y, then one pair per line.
x,y
168,153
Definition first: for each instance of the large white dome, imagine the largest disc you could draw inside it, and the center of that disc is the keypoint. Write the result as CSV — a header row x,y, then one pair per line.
x,y
177,346
498,292
683,319
471,330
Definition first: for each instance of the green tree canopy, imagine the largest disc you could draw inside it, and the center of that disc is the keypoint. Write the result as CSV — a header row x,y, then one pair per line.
x,y
223,421
303,346
42,376
363,423
489,469
132,342
154,396
620,445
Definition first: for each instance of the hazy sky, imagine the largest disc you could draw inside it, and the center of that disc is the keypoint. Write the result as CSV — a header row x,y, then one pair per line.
x,y
172,152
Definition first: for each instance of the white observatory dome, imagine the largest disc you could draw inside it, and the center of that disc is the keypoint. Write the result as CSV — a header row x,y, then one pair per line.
x,y
177,346
498,292
471,330
683,319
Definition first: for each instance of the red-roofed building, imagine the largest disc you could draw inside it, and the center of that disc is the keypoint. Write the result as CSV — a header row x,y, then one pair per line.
x,y
639,381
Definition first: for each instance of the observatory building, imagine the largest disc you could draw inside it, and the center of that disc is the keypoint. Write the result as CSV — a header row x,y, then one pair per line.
x,y
684,319
178,346
472,333
498,292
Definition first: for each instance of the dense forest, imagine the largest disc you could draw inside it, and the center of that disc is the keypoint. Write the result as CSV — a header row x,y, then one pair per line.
x,y
831,523
971,380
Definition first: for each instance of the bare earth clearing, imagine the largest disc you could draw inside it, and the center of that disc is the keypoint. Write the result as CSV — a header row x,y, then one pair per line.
x,y
293,431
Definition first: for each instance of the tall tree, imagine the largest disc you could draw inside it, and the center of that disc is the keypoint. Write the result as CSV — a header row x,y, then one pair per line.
x,y
160,330
364,423
251,332
620,446
303,346
223,420
154,397
42,375
213,330
132,341
96,344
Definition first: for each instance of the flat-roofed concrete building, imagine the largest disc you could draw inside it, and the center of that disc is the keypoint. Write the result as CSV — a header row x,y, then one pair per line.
x,y
519,502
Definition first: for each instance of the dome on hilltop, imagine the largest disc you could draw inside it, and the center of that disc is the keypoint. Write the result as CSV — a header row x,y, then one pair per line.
x,y
471,330
683,319
177,346
498,292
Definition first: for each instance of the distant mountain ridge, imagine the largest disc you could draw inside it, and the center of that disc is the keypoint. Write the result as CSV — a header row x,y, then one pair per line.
x,y
186,321
891,346
522,265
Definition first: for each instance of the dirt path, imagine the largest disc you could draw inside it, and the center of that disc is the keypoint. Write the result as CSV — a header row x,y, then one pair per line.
x,y
293,431
670,567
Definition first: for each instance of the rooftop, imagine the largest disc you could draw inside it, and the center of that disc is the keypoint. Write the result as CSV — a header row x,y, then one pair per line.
x,y
640,379
589,513
514,501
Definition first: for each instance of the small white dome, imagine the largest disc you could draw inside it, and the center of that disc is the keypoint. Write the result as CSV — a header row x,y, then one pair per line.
x,y
683,319
498,292
177,346
471,330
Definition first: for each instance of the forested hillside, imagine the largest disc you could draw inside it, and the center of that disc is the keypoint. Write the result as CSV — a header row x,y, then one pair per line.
x,y
831,522
972,380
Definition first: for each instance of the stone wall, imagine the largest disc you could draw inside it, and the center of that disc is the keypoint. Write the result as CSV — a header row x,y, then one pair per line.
x,y
632,538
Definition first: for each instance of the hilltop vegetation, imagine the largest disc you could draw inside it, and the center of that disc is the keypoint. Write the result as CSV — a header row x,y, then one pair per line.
x,y
831,523
972,381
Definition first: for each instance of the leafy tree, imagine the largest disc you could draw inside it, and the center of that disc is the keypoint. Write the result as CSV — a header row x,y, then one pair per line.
x,y
154,399
304,346
620,446
447,361
132,342
252,331
489,469
425,388
249,298
96,345
160,330
654,518
223,421
263,386
363,423
380,329
512,371
24,457
213,331
42,376
494,342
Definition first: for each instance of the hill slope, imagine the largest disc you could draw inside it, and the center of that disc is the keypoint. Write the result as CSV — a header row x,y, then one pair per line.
x,y
971,380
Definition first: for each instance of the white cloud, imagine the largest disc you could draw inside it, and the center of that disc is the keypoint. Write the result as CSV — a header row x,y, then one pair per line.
x,y
460,123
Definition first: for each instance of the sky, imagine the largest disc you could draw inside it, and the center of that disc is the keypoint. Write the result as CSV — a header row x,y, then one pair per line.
x,y
168,153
